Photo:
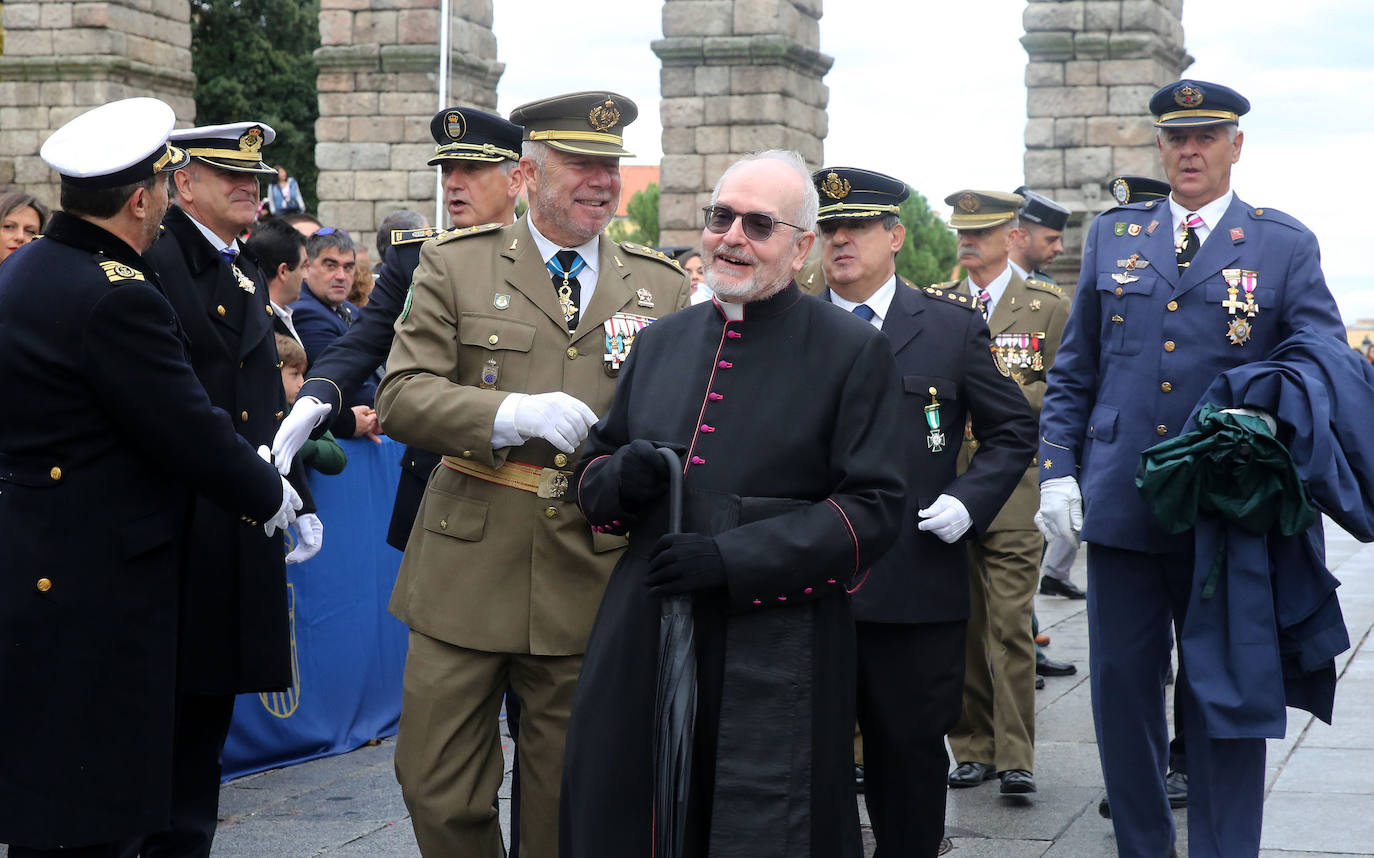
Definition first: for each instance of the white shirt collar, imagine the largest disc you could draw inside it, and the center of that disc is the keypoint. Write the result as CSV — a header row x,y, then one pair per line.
x,y
590,252
1210,213
1020,272
879,302
998,286
215,241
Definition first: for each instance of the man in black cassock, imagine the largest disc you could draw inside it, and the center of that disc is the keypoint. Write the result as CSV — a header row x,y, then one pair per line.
x,y
784,409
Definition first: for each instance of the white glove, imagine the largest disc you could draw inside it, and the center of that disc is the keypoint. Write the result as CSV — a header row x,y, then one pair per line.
x,y
1061,509
290,501
295,430
311,533
558,418
947,518
1254,412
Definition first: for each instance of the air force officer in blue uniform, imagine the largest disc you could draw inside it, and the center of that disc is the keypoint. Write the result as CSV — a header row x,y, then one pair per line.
x,y
1172,292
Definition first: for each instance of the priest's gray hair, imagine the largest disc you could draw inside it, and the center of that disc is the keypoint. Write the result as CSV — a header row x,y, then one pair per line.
x,y
805,217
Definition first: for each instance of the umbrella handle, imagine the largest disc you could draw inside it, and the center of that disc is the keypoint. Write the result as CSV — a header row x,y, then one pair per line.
x,y
674,489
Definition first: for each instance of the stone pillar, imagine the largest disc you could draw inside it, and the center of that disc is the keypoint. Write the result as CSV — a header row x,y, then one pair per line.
x,y
738,76
63,58
1092,67
378,89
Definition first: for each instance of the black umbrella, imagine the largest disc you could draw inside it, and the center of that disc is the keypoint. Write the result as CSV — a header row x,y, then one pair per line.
x,y
675,704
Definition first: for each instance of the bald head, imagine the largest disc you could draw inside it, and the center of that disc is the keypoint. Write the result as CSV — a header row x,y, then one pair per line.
x,y
743,267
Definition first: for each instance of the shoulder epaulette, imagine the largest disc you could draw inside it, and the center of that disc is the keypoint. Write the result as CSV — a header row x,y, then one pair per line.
x,y
1043,286
641,250
450,235
412,236
118,272
1276,216
943,290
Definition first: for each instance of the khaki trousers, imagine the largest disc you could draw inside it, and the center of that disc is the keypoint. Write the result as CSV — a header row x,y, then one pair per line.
x,y
448,748
998,723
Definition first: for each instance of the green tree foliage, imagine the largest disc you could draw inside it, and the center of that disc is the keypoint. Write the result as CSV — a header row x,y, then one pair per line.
x,y
929,252
641,221
253,60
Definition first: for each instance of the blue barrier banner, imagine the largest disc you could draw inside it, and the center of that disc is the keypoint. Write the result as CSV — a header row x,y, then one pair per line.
x,y
347,652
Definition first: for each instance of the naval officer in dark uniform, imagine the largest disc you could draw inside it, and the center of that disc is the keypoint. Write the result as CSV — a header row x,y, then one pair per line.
x,y
98,473
479,154
1172,293
912,612
234,598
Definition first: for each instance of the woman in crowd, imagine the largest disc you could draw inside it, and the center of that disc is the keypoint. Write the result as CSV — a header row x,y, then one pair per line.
x,y
284,195
22,218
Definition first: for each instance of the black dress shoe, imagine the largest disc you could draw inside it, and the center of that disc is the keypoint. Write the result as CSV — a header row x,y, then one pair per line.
x,y
971,775
1017,782
1176,788
1039,683
1054,587
1049,667
858,778
1104,809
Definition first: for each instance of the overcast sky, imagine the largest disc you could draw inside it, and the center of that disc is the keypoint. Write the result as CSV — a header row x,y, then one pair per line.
x,y
934,94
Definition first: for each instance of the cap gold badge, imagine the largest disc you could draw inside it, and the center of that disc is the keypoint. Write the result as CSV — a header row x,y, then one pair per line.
x,y
250,141
455,126
1121,191
835,187
604,116
968,203
1188,96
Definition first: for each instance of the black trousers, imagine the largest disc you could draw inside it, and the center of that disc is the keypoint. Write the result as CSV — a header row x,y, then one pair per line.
x,y
202,725
911,683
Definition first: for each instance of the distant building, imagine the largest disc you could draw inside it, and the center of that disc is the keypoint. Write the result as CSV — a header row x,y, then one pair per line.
x,y
1361,336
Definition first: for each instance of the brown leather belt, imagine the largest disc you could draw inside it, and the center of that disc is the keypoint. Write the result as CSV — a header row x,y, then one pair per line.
x,y
543,482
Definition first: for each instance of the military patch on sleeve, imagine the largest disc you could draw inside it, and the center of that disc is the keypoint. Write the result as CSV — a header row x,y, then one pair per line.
x,y
1000,364
118,272
641,250
412,236
405,309
451,234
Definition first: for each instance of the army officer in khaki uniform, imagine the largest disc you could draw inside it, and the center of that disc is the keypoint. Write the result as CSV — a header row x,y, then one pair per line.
x,y
995,736
506,351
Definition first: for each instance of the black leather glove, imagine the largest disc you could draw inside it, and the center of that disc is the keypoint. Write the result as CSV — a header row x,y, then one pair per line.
x,y
684,562
643,474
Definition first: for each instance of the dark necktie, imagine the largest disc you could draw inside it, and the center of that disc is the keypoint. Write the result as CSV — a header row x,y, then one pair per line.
x,y
564,268
863,311
1187,244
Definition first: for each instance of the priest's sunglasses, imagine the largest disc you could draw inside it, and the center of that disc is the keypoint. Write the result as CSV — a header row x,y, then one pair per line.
x,y
757,225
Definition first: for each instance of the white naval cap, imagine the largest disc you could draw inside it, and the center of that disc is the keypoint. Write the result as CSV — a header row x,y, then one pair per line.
x,y
236,146
115,144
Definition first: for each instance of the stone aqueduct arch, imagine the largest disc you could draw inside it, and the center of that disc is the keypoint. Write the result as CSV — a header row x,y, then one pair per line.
x,y
738,75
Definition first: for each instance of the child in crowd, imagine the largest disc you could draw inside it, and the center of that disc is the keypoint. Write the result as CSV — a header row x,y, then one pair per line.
x,y
324,454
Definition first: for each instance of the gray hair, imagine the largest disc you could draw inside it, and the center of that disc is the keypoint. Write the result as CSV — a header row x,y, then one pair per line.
x,y
810,201
535,150
402,219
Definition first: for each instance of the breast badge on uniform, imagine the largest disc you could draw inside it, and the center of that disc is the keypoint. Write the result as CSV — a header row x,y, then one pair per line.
x,y
491,373
500,301
1239,329
244,282
1119,227
644,298
1021,350
621,330
1133,229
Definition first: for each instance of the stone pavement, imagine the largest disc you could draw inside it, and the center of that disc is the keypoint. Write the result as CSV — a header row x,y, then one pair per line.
x,y
1320,799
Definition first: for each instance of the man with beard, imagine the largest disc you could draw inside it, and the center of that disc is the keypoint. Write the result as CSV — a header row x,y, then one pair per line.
x,y
234,599
1039,236
507,347
995,736
912,614
99,470
479,155
786,410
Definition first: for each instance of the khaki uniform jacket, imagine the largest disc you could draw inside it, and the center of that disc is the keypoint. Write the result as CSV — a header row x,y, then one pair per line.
x,y
1029,312
487,566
